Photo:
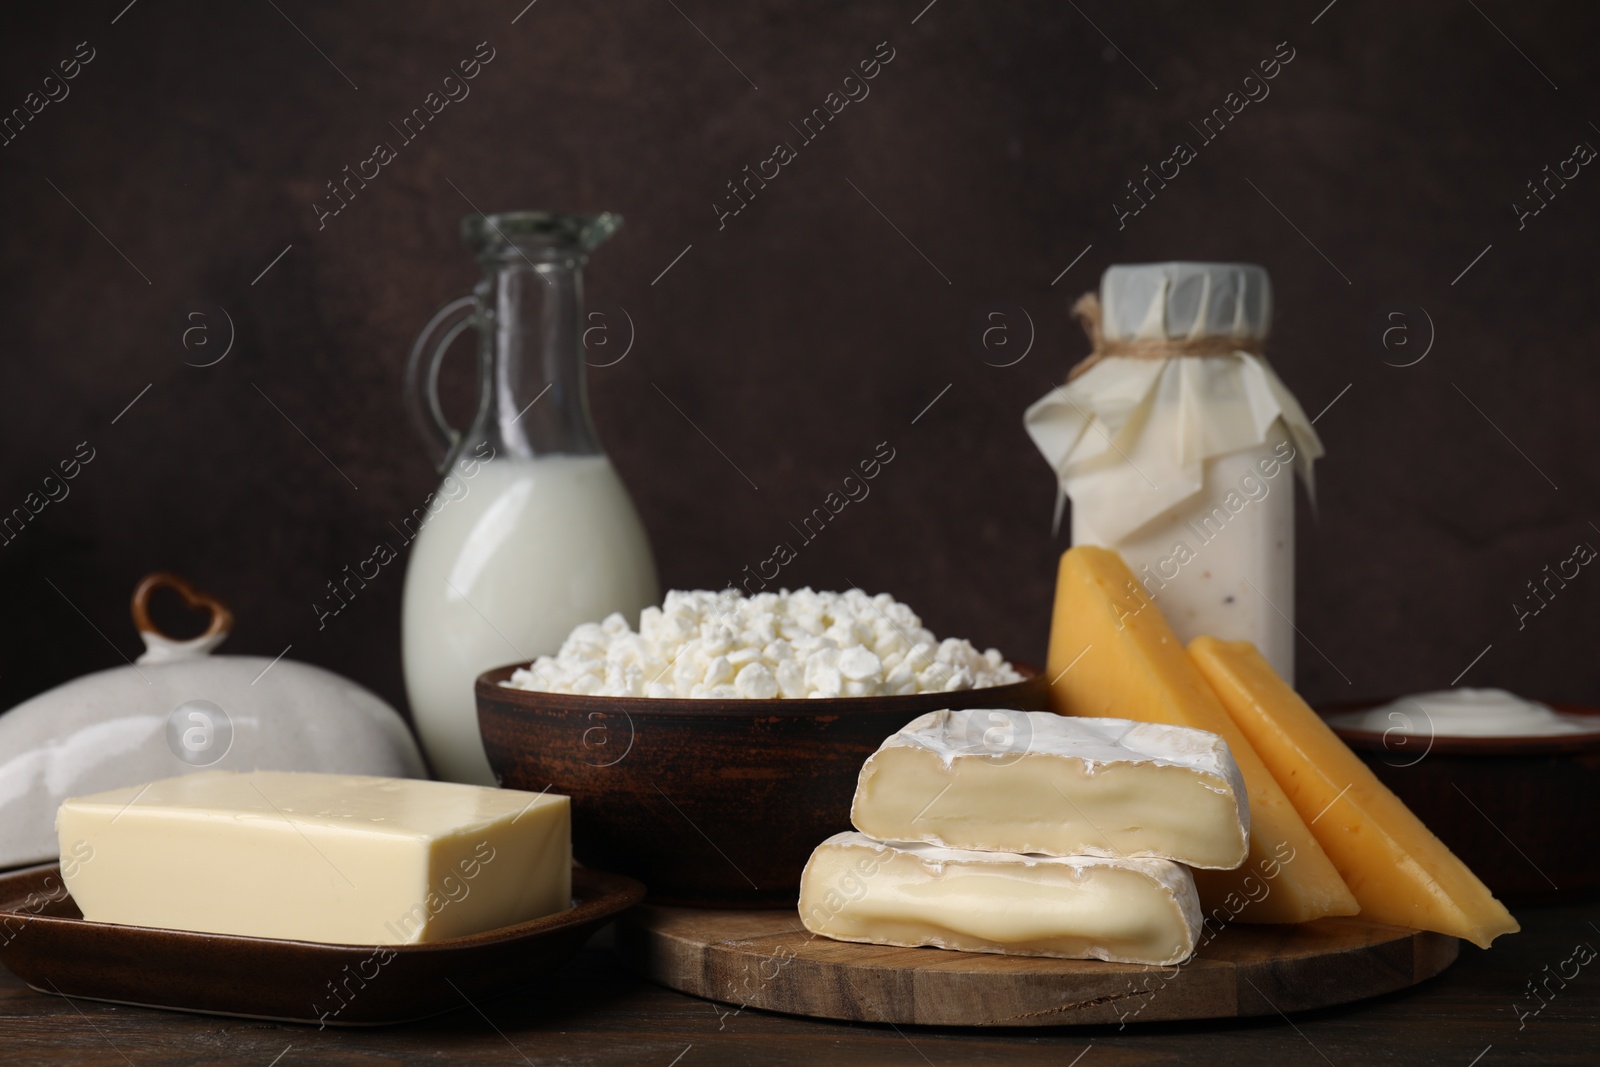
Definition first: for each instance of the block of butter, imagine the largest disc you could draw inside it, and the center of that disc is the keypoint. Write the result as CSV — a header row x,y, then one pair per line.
x,y
1021,781
317,857
1073,907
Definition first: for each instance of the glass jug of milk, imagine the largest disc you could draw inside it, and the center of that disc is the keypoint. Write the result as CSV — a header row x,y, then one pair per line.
x,y
531,532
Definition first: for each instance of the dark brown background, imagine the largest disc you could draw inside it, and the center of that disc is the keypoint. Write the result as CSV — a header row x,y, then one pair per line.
x,y
808,330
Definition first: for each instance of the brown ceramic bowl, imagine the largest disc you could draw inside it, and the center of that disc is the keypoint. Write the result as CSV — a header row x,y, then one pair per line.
x,y
1522,812
710,803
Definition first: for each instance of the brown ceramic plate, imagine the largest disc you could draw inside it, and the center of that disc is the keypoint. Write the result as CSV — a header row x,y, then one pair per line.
x,y
46,942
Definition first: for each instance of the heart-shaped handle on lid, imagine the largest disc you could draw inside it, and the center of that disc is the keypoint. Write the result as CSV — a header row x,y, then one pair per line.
x,y
221,617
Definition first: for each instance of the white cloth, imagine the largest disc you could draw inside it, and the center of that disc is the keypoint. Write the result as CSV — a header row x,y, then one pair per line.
x,y
1129,437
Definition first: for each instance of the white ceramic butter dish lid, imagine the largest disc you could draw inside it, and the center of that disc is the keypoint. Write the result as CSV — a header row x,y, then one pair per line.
x,y
180,709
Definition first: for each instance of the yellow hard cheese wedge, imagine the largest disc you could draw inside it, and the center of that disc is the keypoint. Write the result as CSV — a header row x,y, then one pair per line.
x,y
1397,869
1112,654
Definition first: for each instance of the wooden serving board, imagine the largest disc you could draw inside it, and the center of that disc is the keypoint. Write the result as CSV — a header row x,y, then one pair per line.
x,y
767,960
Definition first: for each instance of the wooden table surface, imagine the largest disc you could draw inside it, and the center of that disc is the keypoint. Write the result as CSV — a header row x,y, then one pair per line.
x,y
594,1012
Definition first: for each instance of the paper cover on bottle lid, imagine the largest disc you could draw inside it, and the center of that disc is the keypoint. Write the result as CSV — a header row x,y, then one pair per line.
x,y
1097,431
1185,300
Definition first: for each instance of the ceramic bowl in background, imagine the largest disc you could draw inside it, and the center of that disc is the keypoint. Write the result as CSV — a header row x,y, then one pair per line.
x,y
1522,812
711,803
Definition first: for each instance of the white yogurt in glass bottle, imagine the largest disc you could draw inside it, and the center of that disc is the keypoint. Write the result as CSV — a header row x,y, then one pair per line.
x,y
532,532
1178,446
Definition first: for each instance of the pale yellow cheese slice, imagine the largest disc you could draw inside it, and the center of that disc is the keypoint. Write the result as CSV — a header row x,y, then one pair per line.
x,y
1113,654
1398,870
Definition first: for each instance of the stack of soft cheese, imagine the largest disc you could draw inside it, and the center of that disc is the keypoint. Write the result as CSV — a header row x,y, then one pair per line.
x,y
1033,834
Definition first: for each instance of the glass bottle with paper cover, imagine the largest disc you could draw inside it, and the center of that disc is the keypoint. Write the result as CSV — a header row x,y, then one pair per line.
x,y
531,532
1178,445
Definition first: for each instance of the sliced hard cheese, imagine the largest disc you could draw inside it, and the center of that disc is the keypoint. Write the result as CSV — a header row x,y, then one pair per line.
x,y
1397,869
317,857
1125,911
1111,652
1021,781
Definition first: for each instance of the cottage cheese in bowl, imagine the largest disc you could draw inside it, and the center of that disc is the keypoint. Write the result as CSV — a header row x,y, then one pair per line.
x,y
793,645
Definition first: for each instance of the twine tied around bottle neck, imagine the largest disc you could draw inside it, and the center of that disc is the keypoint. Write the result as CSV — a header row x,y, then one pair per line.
x,y
1087,311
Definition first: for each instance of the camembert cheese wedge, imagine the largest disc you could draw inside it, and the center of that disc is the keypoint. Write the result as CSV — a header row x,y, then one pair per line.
x,y
317,857
1084,907
1112,653
1398,870
999,780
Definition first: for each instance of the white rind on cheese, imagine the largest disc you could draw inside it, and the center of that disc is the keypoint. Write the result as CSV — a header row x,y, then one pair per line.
x,y
1141,911
1036,782
335,858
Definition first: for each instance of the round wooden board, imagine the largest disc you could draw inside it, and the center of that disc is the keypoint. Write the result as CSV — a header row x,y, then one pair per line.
x,y
766,959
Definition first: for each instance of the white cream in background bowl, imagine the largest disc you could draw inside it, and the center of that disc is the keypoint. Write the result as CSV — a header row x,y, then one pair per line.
x,y
1467,713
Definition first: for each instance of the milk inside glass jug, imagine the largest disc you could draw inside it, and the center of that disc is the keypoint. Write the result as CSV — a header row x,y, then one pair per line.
x,y
531,531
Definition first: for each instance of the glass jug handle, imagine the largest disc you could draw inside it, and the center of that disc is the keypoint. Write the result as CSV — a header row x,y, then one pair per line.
x,y
422,377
